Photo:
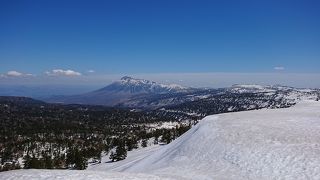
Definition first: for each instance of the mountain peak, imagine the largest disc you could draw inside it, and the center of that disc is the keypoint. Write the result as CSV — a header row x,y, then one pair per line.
x,y
130,85
126,78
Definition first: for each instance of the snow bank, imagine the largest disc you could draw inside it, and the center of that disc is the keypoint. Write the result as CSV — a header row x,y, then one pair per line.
x,y
73,175
261,144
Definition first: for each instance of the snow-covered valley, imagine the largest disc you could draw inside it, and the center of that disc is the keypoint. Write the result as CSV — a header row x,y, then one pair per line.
x,y
259,144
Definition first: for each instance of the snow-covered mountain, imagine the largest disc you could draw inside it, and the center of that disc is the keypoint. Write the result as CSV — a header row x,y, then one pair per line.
x,y
289,93
243,97
135,93
141,86
256,96
261,144
254,88
120,91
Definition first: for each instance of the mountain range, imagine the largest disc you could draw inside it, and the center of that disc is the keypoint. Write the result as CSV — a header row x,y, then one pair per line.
x,y
135,93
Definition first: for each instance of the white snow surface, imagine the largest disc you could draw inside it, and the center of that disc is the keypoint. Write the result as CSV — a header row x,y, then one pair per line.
x,y
258,144
34,174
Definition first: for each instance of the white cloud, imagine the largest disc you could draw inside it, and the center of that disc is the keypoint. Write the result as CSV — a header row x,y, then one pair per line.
x,y
91,71
279,68
61,72
15,74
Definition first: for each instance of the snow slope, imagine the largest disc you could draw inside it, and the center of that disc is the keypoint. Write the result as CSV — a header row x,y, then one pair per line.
x,y
74,175
259,144
132,157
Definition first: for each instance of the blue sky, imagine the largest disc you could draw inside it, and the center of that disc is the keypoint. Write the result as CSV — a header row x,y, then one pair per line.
x,y
167,36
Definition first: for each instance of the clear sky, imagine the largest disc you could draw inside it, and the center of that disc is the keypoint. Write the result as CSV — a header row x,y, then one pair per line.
x,y
47,38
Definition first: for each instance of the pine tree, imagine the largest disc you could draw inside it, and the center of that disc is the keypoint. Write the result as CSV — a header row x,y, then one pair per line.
x,y
59,161
27,161
144,143
80,161
48,162
35,163
166,137
121,152
70,157
131,143
112,156
156,140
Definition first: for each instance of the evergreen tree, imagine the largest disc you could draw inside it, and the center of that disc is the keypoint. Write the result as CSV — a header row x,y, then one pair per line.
x,y
48,162
35,163
27,161
144,143
70,157
121,152
59,161
112,156
156,140
131,143
166,137
79,160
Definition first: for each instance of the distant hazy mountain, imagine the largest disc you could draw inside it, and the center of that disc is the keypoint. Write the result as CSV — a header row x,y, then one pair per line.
x,y
120,91
43,91
256,94
20,100
143,94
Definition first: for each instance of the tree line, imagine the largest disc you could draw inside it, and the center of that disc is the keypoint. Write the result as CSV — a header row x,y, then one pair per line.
x,y
52,136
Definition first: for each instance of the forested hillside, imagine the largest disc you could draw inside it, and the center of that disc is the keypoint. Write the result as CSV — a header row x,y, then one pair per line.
x,y
34,134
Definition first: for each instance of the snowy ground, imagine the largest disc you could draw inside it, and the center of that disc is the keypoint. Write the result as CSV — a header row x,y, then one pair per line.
x,y
74,175
132,158
259,144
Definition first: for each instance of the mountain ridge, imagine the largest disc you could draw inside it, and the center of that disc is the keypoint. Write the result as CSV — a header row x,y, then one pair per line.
x,y
136,93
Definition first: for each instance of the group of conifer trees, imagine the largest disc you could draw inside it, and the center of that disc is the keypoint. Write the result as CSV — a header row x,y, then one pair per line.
x,y
52,136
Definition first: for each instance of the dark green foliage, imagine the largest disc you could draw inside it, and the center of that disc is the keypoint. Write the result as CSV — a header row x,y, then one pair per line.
x,y
27,161
65,136
144,142
76,159
48,162
112,156
156,140
59,162
131,143
80,161
167,137
121,152
36,163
